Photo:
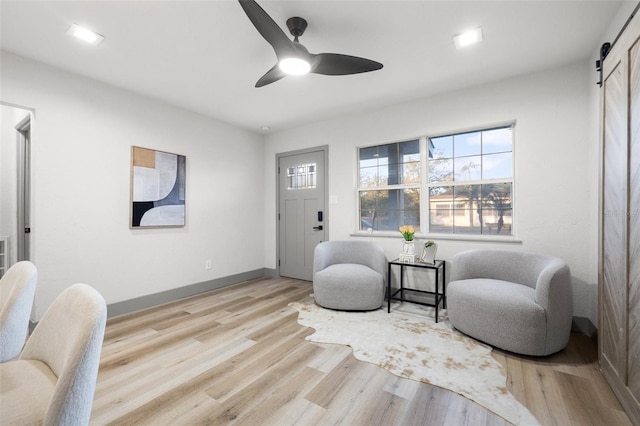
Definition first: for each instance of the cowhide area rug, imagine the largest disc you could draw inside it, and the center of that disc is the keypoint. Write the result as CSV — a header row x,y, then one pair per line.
x,y
408,343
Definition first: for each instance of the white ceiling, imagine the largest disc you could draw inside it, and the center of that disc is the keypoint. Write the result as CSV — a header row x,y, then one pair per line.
x,y
206,56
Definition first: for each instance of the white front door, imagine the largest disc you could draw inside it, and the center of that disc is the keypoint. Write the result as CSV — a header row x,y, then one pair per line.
x,y
301,211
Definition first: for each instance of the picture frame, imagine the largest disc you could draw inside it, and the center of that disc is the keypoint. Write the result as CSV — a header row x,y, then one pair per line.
x,y
429,253
158,189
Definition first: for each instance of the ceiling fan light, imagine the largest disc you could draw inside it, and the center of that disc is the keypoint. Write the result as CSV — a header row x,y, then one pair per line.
x,y
294,66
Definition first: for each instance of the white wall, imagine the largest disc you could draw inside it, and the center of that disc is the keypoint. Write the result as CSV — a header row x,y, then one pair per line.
x,y
82,137
554,189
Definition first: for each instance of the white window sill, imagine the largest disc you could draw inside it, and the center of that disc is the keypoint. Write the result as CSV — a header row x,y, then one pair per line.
x,y
451,237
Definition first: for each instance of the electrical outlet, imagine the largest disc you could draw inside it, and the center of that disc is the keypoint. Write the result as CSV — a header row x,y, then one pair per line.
x,y
207,264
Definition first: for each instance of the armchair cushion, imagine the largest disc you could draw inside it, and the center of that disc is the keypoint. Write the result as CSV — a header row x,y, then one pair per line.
x,y
26,405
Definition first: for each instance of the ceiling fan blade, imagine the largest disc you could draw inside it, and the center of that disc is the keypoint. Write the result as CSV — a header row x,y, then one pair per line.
x,y
267,28
337,64
273,75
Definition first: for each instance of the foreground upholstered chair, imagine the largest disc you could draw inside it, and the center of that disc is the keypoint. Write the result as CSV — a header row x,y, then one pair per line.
x,y
518,301
349,275
53,380
17,290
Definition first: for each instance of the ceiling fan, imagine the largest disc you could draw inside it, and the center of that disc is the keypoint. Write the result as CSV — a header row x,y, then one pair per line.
x,y
293,57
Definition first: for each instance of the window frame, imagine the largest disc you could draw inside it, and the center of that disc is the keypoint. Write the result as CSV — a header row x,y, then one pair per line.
x,y
426,202
403,186
425,186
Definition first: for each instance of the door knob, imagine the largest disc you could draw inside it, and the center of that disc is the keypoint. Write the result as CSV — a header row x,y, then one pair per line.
x,y
317,228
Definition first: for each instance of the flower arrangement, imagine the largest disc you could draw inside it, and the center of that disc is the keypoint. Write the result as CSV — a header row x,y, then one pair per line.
x,y
407,232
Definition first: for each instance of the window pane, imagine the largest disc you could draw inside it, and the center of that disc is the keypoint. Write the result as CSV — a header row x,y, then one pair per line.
x,y
368,209
440,195
302,180
440,221
391,164
467,144
467,222
441,147
368,157
497,196
468,196
496,166
496,222
410,151
411,199
467,168
311,174
367,200
412,217
383,175
368,177
394,201
441,170
440,209
497,140
387,210
391,173
383,154
366,222
410,173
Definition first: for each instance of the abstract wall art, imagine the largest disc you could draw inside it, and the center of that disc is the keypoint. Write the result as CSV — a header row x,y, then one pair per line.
x,y
158,184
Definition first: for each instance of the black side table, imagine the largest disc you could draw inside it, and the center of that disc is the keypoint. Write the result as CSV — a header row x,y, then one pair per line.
x,y
438,296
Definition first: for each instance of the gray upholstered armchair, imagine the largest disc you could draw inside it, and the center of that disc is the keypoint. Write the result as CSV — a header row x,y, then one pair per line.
x,y
349,275
518,301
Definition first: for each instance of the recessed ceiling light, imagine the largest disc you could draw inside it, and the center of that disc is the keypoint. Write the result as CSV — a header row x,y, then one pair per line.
x,y
467,38
85,34
265,128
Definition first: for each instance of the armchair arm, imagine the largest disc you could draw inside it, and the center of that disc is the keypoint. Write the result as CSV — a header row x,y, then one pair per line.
x,y
553,288
321,257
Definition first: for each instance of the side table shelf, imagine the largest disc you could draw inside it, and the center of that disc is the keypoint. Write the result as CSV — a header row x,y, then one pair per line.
x,y
439,296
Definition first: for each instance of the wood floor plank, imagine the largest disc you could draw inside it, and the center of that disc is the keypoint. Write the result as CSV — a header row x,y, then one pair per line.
x,y
281,398
352,405
327,390
237,355
269,361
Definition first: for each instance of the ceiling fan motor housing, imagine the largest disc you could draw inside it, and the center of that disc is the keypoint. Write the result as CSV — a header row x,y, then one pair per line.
x,y
296,26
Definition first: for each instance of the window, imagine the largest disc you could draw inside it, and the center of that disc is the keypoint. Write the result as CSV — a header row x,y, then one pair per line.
x,y
474,173
302,176
389,186
468,188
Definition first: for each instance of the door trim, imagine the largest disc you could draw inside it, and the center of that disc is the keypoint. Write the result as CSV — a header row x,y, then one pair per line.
x,y
325,151
23,249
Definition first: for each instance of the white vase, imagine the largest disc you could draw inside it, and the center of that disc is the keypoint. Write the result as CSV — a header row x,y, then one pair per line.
x,y
408,247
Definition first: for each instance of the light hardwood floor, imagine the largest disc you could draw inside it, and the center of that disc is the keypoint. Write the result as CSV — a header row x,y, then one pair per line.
x,y
237,355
